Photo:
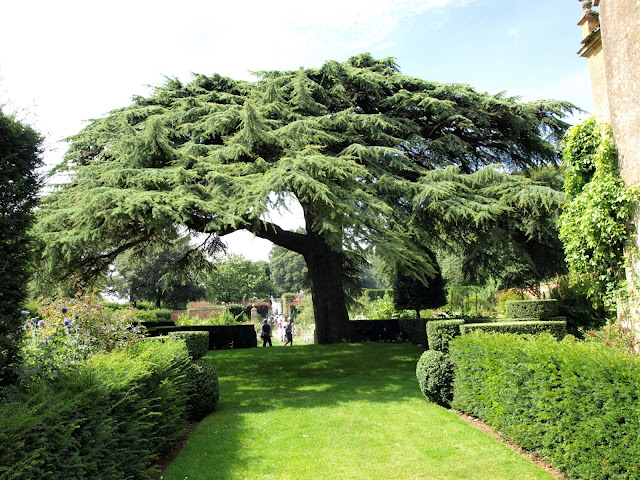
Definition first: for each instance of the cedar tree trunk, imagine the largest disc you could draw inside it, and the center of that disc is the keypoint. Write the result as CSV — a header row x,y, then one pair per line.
x,y
327,290
325,273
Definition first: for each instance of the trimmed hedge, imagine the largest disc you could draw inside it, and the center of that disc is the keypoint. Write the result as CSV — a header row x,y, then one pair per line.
x,y
375,331
204,391
527,319
389,330
287,298
435,377
441,332
158,324
197,342
220,336
556,328
152,316
414,330
435,371
538,309
483,320
109,418
575,403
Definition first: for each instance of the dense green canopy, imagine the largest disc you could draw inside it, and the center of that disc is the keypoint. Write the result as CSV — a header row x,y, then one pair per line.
x,y
287,270
519,248
375,158
171,275
235,279
20,157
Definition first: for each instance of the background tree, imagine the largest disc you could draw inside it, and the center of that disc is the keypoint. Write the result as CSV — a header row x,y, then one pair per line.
x,y
373,274
20,156
375,159
288,271
521,247
235,279
409,293
169,276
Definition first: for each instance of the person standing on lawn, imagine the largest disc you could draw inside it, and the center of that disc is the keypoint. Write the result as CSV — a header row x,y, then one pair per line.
x,y
288,331
265,333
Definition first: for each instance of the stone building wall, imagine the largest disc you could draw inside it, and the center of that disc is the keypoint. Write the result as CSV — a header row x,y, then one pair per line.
x,y
620,26
612,45
611,42
592,51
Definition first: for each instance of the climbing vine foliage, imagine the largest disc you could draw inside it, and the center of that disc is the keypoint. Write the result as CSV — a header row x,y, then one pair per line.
x,y
595,225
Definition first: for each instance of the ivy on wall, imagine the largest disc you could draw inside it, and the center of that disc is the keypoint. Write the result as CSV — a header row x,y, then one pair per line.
x,y
595,225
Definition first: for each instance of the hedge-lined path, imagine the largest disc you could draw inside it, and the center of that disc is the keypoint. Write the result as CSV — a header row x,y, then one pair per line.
x,y
336,412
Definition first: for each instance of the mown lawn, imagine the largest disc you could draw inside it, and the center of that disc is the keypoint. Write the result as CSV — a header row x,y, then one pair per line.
x,y
346,411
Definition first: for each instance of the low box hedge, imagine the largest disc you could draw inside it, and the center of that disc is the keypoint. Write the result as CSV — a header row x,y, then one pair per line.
x,y
158,324
197,342
575,403
482,320
204,391
538,309
220,336
414,330
152,316
556,328
441,332
410,330
435,376
385,330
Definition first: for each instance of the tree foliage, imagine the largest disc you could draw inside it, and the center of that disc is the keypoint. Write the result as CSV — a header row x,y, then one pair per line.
x,y
288,271
595,223
235,279
520,247
411,294
378,161
20,156
170,276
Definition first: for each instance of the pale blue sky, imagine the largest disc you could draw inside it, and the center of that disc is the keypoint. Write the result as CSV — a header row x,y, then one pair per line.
x,y
67,61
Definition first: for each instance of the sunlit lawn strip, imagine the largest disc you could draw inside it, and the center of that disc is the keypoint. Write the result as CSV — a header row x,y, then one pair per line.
x,y
336,412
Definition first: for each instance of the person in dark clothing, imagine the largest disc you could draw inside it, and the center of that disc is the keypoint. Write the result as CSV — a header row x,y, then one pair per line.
x,y
265,334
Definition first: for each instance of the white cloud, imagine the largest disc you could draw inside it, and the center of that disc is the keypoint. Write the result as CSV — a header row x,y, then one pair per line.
x,y
73,60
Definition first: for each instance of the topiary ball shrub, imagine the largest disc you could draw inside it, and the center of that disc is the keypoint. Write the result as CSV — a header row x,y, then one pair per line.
x,y
435,377
204,392
197,342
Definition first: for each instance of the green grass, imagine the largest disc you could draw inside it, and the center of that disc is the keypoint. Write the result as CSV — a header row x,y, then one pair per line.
x,y
335,412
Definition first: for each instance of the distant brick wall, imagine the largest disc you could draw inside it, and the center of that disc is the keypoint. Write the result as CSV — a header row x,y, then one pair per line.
x,y
206,312
176,313
199,313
